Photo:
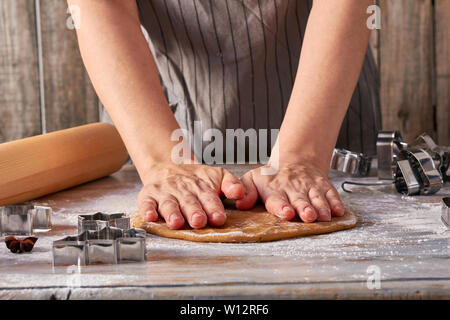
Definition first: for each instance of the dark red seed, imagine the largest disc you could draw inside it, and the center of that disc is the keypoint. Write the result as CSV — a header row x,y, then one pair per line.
x,y
15,247
9,239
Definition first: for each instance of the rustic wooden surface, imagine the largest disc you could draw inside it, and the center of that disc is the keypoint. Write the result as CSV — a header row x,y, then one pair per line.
x,y
402,236
19,77
442,25
406,67
70,99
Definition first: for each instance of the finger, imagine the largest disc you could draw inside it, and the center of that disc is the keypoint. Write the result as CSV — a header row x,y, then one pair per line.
x,y
169,209
213,207
147,208
319,203
303,207
231,186
251,196
277,204
335,202
192,210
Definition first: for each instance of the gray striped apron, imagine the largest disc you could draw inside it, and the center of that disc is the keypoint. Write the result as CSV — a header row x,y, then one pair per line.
x,y
232,64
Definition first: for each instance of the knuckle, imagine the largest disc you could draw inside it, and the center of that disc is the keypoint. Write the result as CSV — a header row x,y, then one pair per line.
x,y
149,201
300,203
210,199
181,185
315,197
314,192
190,201
322,181
275,198
168,203
319,202
331,192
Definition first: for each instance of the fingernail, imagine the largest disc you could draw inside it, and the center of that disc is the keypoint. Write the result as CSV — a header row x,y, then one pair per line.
x,y
198,218
173,218
218,216
324,215
339,208
148,215
309,212
287,211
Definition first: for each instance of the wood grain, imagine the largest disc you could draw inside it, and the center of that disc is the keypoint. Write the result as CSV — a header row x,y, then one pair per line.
x,y
44,164
69,95
442,39
404,238
19,79
406,61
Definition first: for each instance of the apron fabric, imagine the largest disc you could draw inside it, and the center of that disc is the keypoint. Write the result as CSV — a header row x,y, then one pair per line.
x,y
232,64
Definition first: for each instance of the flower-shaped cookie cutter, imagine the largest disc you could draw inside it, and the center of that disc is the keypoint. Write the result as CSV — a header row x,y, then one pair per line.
x,y
24,219
100,220
109,245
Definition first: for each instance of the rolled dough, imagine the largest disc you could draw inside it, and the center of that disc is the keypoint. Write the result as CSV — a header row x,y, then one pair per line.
x,y
256,225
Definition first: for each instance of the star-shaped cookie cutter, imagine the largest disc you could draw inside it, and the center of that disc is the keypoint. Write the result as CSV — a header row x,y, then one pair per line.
x,y
100,220
109,245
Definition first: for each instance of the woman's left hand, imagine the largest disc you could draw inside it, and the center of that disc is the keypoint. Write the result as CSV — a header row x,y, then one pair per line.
x,y
295,189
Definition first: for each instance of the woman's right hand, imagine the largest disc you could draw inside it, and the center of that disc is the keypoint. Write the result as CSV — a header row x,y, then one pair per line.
x,y
188,192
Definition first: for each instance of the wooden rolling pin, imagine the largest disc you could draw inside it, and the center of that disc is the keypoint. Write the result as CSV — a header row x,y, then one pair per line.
x,y
40,165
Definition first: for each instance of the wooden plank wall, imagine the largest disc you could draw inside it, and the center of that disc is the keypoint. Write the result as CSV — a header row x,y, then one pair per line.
x,y
43,84
19,75
69,96
54,92
442,36
406,66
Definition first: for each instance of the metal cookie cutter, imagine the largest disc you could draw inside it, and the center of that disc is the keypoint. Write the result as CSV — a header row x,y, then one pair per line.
x,y
440,155
99,220
416,173
350,162
24,219
109,245
446,211
389,145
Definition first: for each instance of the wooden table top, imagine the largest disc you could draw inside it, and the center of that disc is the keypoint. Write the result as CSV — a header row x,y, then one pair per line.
x,y
400,239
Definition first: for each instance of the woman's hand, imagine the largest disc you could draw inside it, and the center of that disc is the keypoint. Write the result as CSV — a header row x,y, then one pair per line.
x,y
295,189
331,59
187,192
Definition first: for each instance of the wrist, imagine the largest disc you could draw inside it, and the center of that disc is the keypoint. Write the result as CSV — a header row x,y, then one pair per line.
x,y
151,163
305,157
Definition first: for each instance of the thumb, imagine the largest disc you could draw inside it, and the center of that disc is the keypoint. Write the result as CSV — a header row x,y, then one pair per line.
x,y
251,196
231,186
